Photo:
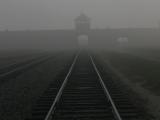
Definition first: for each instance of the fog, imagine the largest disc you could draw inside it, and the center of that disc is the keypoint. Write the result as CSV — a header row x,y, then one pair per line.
x,y
79,59
59,14
53,23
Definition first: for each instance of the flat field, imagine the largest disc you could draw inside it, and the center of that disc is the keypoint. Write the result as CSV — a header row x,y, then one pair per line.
x,y
140,70
12,57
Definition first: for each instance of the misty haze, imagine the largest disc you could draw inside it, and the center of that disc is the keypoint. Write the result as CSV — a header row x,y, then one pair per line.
x,y
79,60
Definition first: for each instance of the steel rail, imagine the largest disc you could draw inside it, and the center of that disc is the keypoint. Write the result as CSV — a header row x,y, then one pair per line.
x,y
115,110
50,113
15,70
23,67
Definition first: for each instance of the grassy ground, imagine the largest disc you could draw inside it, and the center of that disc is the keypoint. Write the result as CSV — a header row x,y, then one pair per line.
x,y
10,57
18,95
152,53
142,74
137,69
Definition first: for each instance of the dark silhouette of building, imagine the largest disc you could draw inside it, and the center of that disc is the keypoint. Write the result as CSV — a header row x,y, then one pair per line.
x,y
97,38
82,24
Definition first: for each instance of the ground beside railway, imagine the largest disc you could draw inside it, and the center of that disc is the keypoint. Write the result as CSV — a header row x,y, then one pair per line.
x,y
18,95
151,53
140,74
10,57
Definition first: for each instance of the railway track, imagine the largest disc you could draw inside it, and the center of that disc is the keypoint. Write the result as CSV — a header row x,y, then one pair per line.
x,y
83,95
15,69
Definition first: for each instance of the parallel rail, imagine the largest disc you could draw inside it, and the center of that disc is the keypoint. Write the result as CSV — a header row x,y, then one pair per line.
x,y
117,115
15,69
50,113
83,94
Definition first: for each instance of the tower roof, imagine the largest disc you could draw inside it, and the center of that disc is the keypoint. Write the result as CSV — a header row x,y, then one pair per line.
x,y
82,17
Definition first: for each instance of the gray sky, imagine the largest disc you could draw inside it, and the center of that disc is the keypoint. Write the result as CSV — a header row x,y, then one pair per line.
x,y
59,14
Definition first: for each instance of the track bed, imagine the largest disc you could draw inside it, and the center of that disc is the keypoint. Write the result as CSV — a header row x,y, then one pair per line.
x,y
83,96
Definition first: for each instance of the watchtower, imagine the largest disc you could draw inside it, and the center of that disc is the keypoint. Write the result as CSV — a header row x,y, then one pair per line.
x,y
82,24
82,27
